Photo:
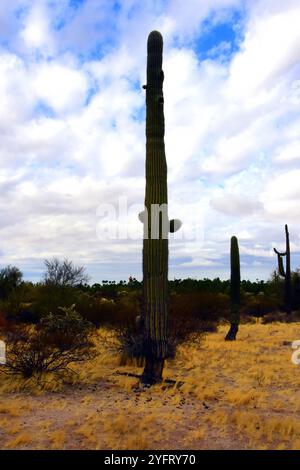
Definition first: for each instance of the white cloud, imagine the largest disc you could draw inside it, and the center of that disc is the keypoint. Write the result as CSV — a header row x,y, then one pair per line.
x,y
282,195
60,87
289,152
232,133
270,50
15,91
36,31
236,205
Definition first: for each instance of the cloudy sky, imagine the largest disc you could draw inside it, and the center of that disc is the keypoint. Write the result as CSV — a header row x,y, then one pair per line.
x,y
72,126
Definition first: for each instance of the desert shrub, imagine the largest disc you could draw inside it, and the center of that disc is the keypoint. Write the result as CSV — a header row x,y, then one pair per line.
x,y
184,326
204,306
259,305
106,311
296,289
13,305
10,279
12,292
3,323
128,307
49,298
131,343
275,288
247,319
182,330
64,273
191,316
112,313
56,342
109,290
97,310
274,316
282,317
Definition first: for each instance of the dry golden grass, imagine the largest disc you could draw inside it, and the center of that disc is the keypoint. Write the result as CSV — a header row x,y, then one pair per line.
x,y
11,407
57,439
243,394
22,439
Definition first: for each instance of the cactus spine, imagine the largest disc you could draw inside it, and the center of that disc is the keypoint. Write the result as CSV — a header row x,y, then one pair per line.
x,y
235,282
155,247
286,273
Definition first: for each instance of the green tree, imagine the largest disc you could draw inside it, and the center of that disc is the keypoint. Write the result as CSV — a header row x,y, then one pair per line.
x,y
10,279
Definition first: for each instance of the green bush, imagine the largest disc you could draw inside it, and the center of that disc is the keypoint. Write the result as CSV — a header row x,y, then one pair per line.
x,y
56,342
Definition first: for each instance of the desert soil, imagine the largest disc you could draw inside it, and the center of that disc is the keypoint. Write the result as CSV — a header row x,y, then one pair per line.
x,y
242,395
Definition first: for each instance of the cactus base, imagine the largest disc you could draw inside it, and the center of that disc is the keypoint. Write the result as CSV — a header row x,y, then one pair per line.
x,y
153,371
231,335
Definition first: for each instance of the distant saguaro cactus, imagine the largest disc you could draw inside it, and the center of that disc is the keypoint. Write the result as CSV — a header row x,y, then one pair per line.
x,y
235,282
155,219
286,273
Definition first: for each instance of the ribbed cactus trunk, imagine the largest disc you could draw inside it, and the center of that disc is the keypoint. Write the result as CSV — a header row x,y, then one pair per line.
x,y
156,221
286,273
235,283
155,250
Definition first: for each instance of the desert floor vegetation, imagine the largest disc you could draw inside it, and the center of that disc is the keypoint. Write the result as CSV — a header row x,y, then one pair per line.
x,y
217,395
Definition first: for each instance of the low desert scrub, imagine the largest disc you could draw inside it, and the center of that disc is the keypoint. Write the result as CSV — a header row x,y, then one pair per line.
x,y
182,330
52,346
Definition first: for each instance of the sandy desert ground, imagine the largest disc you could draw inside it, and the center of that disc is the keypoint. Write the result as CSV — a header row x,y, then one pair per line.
x,y
240,395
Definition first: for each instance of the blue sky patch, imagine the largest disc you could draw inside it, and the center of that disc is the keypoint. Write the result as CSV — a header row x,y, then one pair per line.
x,y
76,3
42,109
221,39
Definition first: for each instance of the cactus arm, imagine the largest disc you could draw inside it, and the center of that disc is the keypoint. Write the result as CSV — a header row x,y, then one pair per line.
x,y
286,273
142,217
288,291
175,225
280,266
286,230
279,253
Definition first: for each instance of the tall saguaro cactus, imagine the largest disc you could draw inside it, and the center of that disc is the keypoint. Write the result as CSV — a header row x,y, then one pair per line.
x,y
155,219
235,282
286,273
